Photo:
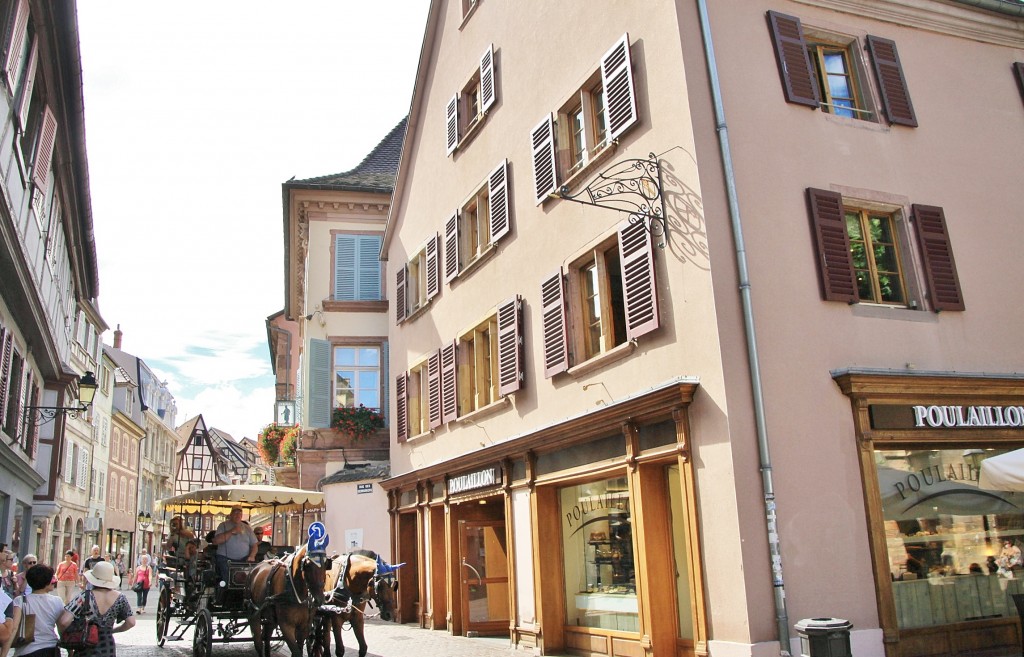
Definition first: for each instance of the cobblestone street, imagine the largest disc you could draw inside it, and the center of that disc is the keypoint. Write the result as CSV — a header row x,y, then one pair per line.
x,y
382,639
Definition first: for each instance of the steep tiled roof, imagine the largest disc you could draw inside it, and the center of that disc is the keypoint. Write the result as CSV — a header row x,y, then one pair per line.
x,y
375,173
356,473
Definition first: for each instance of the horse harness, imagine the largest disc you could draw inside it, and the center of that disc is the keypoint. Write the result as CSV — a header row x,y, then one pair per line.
x,y
290,594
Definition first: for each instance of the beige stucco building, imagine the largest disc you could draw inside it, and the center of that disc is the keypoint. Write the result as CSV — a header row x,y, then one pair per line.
x,y
766,398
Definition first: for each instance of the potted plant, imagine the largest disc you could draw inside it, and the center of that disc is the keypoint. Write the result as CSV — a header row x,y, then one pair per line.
x,y
359,422
277,442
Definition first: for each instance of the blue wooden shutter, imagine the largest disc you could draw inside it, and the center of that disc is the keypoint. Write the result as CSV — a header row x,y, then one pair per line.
x,y
345,267
319,383
368,267
619,94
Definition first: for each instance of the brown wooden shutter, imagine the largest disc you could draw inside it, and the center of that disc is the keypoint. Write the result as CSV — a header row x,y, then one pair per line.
x,y
619,91
1018,71
24,396
6,356
44,151
555,322
497,193
832,244
25,93
891,81
542,143
16,396
402,405
798,82
451,121
639,283
451,247
449,384
937,253
511,374
401,297
33,429
487,95
16,43
433,267
434,389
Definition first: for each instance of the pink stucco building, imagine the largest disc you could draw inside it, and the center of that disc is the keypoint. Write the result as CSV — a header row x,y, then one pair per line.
x,y
704,322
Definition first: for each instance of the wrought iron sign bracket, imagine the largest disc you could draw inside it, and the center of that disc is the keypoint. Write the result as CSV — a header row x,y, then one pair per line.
x,y
630,186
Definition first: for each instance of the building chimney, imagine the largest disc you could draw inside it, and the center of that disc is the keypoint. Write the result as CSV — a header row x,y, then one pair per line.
x,y
117,337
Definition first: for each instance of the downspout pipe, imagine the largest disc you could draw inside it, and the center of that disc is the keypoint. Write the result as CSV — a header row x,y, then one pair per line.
x,y
757,391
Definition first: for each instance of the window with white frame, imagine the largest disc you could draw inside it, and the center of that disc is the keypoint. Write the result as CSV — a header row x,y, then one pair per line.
x,y
357,378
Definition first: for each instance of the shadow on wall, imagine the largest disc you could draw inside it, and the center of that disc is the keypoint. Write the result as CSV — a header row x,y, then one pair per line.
x,y
687,238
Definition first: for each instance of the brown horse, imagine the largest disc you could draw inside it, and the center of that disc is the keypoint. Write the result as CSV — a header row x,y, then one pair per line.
x,y
286,593
353,581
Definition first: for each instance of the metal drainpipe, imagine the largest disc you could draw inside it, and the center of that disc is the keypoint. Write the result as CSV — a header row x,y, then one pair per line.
x,y
778,588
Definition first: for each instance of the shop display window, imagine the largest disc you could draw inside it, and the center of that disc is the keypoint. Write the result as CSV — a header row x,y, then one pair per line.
x,y
954,547
597,546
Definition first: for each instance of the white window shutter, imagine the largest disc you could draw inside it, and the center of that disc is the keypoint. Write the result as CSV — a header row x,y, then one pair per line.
x,y
542,145
451,122
497,193
69,461
83,468
487,95
345,267
619,92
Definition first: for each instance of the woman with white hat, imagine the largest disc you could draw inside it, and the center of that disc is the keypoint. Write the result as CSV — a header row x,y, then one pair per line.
x,y
112,611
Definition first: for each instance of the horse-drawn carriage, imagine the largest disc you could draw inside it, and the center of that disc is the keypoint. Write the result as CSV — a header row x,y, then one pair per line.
x,y
298,597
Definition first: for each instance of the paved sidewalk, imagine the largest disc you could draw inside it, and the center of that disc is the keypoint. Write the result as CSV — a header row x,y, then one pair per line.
x,y
382,640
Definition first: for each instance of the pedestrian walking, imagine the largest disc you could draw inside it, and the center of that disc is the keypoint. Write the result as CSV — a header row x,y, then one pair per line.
x,y
94,558
122,569
108,606
141,579
45,607
21,584
7,575
67,577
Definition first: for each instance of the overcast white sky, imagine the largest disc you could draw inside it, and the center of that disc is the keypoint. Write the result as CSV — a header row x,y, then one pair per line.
x,y
196,112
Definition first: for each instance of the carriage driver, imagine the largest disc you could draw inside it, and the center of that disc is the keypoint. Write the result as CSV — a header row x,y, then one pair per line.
x,y
181,541
235,541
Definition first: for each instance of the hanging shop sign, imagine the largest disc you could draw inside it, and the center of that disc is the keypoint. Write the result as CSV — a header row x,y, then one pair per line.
x,y
893,416
474,480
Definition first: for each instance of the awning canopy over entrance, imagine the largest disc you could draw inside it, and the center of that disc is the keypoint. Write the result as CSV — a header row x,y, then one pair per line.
x,y
1003,472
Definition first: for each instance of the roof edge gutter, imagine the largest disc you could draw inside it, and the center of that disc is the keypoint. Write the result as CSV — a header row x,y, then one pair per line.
x,y
998,6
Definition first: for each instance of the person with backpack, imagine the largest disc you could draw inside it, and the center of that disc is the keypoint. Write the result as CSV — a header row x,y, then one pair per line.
x,y
108,607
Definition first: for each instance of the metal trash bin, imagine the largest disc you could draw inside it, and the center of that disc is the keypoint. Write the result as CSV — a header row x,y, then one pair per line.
x,y
824,637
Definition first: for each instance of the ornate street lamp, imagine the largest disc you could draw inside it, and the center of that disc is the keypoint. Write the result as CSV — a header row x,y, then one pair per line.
x,y
145,520
86,393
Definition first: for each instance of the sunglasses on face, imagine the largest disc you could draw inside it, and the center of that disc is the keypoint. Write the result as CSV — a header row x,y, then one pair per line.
x,y
30,563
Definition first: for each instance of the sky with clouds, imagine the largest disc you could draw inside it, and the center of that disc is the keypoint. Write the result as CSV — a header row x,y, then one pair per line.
x,y
196,112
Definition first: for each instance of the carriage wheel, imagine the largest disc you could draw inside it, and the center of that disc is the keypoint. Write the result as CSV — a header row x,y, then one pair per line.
x,y
163,615
202,638
318,641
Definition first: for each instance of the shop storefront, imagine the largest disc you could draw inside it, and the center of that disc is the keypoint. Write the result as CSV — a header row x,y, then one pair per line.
x,y
561,540
944,487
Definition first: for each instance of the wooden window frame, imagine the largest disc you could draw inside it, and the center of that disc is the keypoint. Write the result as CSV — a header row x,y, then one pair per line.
x,y
474,221
418,399
477,366
611,319
574,155
463,248
467,109
864,216
818,42
419,280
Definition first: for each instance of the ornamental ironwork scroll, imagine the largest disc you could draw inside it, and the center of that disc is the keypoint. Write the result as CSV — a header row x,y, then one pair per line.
x,y
630,186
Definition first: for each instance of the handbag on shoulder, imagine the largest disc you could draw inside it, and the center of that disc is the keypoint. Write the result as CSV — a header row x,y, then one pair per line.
x,y
83,632
26,632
